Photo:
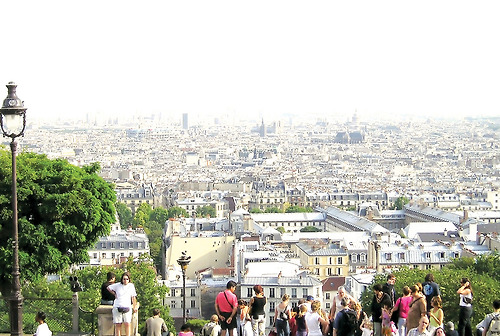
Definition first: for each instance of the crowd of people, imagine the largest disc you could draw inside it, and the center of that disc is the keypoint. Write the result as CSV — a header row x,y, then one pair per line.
x,y
417,311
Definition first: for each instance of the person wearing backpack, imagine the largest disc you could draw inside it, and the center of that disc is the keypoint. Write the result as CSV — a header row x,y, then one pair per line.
x,y
491,322
430,290
346,320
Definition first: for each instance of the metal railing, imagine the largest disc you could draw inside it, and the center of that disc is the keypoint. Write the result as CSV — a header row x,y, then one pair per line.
x,y
60,315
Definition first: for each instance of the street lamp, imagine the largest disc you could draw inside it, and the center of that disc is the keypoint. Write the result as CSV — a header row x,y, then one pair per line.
x,y
183,261
13,123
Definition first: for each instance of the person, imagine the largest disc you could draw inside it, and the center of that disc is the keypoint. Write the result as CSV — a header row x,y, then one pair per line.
x,y
308,302
465,292
300,320
367,328
185,330
386,320
491,318
245,324
439,331
430,290
360,315
125,303
418,308
379,300
282,315
388,288
436,315
106,297
402,306
449,329
345,321
421,329
43,328
257,313
226,305
316,323
336,304
155,325
212,328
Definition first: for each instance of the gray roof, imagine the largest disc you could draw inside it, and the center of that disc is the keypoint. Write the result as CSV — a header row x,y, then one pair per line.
x,y
356,223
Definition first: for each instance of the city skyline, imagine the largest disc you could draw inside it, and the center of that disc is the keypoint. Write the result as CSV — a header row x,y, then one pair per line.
x,y
264,59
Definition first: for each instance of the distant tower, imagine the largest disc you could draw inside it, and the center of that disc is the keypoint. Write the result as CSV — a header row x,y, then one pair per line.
x,y
185,121
355,117
262,129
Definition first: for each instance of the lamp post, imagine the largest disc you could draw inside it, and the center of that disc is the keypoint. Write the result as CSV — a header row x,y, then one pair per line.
x,y
183,261
13,123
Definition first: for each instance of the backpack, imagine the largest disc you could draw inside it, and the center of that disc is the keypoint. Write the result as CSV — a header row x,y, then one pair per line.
x,y
207,329
494,326
428,290
348,323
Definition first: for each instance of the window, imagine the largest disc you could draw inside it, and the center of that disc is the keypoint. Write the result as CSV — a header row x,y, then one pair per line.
x,y
271,292
95,256
316,271
193,303
402,256
172,304
282,291
122,245
327,305
112,255
339,260
249,292
329,271
193,292
294,292
327,296
339,271
316,261
272,306
428,267
441,255
362,257
304,292
388,256
330,261
428,255
104,255
113,245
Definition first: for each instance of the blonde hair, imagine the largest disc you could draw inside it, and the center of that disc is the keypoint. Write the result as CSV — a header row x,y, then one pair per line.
x,y
302,310
315,305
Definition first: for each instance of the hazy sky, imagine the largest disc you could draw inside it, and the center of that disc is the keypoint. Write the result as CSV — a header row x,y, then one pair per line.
x,y
381,58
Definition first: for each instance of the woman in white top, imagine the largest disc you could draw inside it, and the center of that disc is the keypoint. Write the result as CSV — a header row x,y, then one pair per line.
x,y
124,305
465,292
315,320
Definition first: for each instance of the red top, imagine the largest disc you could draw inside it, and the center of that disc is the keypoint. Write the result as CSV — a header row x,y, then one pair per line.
x,y
223,304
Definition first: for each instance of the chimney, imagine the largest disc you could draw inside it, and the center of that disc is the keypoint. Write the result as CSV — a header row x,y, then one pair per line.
x,y
445,232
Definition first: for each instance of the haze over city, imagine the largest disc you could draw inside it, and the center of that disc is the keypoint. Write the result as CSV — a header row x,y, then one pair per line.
x,y
260,59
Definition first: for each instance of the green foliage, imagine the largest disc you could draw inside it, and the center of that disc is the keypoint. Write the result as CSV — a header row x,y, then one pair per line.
x,y
206,211
142,215
255,210
400,203
196,325
482,272
310,229
124,215
176,212
62,210
150,292
273,210
281,229
296,208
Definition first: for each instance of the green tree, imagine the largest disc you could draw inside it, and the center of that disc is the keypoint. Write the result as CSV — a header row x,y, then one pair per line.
x,y
176,212
124,215
62,211
154,229
273,210
296,208
142,215
310,229
281,229
205,211
255,210
400,203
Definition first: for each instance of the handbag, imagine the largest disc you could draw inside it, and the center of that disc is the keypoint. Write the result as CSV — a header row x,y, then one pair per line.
x,y
283,314
395,313
123,309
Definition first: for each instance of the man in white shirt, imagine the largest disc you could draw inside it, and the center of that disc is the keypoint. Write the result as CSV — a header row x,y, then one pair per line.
x,y
421,330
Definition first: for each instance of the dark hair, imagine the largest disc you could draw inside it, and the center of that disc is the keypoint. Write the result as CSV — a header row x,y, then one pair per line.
x,y
126,274
429,277
242,302
110,276
156,311
185,327
436,330
377,287
496,304
390,276
230,284
258,289
40,316
414,288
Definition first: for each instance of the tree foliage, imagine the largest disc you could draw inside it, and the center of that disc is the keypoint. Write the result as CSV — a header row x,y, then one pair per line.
x,y
296,208
255,210
273,210
176,212
400,203
310,229
62,211
206,211
124,215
